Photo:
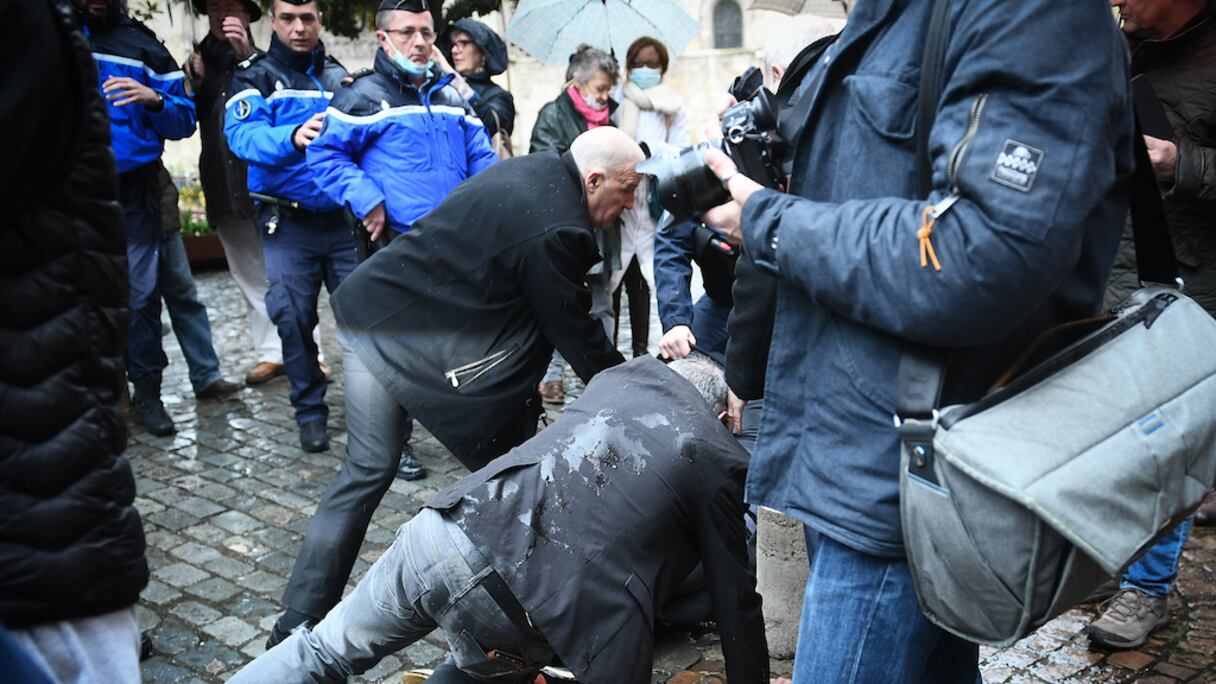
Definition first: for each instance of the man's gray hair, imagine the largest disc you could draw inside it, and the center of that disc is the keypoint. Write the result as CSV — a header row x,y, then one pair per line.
x,y
607,148
706,376
587,60
795,33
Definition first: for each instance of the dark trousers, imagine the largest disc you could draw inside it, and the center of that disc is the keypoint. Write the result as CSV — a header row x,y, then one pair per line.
x,y
140,193
638,293
305,251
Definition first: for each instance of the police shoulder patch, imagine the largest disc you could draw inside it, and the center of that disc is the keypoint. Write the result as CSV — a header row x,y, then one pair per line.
x,y
1017,165
242,109
357,75
252,59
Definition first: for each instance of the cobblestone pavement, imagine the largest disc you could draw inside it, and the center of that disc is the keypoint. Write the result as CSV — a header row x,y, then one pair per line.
x,y
226,501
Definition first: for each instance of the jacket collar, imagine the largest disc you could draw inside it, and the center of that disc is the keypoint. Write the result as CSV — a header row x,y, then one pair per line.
x,y
572,168
303,62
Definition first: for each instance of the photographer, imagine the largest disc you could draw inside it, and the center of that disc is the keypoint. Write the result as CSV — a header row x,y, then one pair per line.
x,y
1031,147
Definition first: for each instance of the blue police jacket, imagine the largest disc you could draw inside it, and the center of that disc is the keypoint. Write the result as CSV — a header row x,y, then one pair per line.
x,y
1033,131
273,92
388,141
138,134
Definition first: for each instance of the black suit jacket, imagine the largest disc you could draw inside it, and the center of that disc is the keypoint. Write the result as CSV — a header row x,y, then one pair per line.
x,y
459,316
595,520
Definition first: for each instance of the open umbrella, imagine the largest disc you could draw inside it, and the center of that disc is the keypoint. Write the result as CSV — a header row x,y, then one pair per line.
x,y
829,8
550,30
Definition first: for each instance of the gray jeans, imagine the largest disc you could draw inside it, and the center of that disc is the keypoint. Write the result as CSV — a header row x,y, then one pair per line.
x,y
430,577
103,648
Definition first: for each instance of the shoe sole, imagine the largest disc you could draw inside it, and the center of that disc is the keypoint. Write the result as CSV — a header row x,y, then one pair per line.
x,y
555,402
1101,637
263,381
412,476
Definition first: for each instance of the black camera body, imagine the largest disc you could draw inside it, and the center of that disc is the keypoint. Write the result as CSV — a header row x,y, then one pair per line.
x,y
686,187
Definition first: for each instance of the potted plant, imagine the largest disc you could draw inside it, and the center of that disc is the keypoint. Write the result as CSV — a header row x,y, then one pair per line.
x,y
203,248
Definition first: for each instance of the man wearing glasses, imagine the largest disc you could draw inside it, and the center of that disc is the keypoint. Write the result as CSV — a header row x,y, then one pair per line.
x,y
396,140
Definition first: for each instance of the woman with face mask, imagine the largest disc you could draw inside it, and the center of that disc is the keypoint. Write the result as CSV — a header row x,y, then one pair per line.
x,y
583,104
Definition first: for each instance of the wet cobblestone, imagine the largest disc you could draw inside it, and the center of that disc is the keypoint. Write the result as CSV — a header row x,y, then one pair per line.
x,y
227,499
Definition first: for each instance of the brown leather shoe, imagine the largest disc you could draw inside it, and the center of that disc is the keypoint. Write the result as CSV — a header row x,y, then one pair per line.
x,y
1206,515
218,390
263,371
552,392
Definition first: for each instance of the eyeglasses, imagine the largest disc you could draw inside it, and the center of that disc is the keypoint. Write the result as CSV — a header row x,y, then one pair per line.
x,y
427,35
653,64
462,44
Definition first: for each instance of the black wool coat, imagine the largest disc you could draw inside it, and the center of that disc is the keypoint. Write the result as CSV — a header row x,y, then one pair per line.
x,y
458,317
595,521
71,541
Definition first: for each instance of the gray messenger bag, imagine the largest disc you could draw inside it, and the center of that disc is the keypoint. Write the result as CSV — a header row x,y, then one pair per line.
x,y
1015,507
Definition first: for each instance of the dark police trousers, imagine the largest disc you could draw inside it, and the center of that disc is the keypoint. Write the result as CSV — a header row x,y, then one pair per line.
x,y
306,249
140,195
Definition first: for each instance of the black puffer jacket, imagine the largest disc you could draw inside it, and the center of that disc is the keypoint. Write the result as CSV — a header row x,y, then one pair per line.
x,y
71,542
1182,70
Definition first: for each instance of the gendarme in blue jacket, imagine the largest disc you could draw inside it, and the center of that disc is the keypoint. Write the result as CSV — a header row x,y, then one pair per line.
x,y
137,134
1034,129
388,141
273,93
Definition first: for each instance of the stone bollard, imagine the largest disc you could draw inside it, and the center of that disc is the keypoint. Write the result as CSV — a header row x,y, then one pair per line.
x,y
781,572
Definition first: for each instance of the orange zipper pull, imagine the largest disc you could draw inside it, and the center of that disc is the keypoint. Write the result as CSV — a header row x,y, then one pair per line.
x,y
924,234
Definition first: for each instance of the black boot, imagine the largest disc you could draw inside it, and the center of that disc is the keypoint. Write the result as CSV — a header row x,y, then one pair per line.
x,y
147,409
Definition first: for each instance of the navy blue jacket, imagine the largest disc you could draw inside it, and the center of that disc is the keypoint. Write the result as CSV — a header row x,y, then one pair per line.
x,y
1035,130
138,134
272,94
674,252
386,141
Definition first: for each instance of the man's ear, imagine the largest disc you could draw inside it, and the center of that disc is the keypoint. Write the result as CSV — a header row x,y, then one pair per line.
x,y
594,180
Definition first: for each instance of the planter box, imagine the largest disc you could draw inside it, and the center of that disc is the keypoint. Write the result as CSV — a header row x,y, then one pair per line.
x,y
204,252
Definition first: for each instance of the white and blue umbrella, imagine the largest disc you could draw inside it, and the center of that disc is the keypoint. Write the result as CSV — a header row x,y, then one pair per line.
x,y
550,30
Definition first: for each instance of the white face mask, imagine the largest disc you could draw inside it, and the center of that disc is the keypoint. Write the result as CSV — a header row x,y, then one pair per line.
x,y
594,103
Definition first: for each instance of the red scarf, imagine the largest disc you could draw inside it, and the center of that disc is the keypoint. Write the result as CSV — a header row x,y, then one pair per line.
x,y
595,117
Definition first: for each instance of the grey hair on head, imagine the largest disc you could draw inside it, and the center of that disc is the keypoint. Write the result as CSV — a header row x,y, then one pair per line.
x,y
608,149
587,60
706,376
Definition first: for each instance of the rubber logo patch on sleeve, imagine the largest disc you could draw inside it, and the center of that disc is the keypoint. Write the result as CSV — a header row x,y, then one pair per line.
x,y
242,110
1017,165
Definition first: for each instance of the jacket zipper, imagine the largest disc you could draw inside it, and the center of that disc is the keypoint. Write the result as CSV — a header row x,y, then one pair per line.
x,y
959,153
478,368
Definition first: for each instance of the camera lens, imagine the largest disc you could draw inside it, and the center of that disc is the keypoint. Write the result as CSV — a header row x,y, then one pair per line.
x,y
685,186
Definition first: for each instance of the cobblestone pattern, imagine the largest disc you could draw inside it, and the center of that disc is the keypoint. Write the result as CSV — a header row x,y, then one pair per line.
x,y
226,502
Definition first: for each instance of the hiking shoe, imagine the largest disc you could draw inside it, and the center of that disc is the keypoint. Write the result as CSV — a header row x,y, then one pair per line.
x,y
1128,618
313,437
410,468
148,410
553,392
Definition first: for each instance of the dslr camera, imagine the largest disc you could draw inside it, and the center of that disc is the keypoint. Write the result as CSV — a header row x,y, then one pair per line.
x,y
686,187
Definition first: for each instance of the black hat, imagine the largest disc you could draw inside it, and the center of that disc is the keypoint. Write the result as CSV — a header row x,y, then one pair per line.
x,y
405,5
488,42
255,11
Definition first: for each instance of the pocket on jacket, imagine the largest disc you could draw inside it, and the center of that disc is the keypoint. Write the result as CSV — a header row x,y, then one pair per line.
x,y
464,375
885,104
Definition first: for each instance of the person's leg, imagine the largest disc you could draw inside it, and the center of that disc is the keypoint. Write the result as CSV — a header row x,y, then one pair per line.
x,y
189,316
1142,604
639,307
242,241
709,324
861,623
375,425
295,268
103,648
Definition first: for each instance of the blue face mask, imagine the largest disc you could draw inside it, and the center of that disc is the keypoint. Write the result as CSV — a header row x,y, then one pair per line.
x,y
645,77
411,69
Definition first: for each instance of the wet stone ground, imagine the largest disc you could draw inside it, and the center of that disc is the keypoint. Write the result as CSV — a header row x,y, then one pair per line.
x,y
226,502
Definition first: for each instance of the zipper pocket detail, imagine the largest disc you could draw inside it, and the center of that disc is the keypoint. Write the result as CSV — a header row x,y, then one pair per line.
x,y
471,371
960,150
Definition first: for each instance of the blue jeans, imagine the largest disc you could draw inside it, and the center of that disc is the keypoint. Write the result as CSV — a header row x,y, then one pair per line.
x,y
709,324
861,624
189,316
377,427
430,577
1154,572
305,251
140,193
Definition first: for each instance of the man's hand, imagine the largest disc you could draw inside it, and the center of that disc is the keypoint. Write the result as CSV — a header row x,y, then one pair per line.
x,y
374,222
713,127
734,412
122,91
238,37
1164,156
727,217
308,131
677,342
195,69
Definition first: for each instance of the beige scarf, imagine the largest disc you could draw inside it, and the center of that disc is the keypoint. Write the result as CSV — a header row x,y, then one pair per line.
x,y
660,98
